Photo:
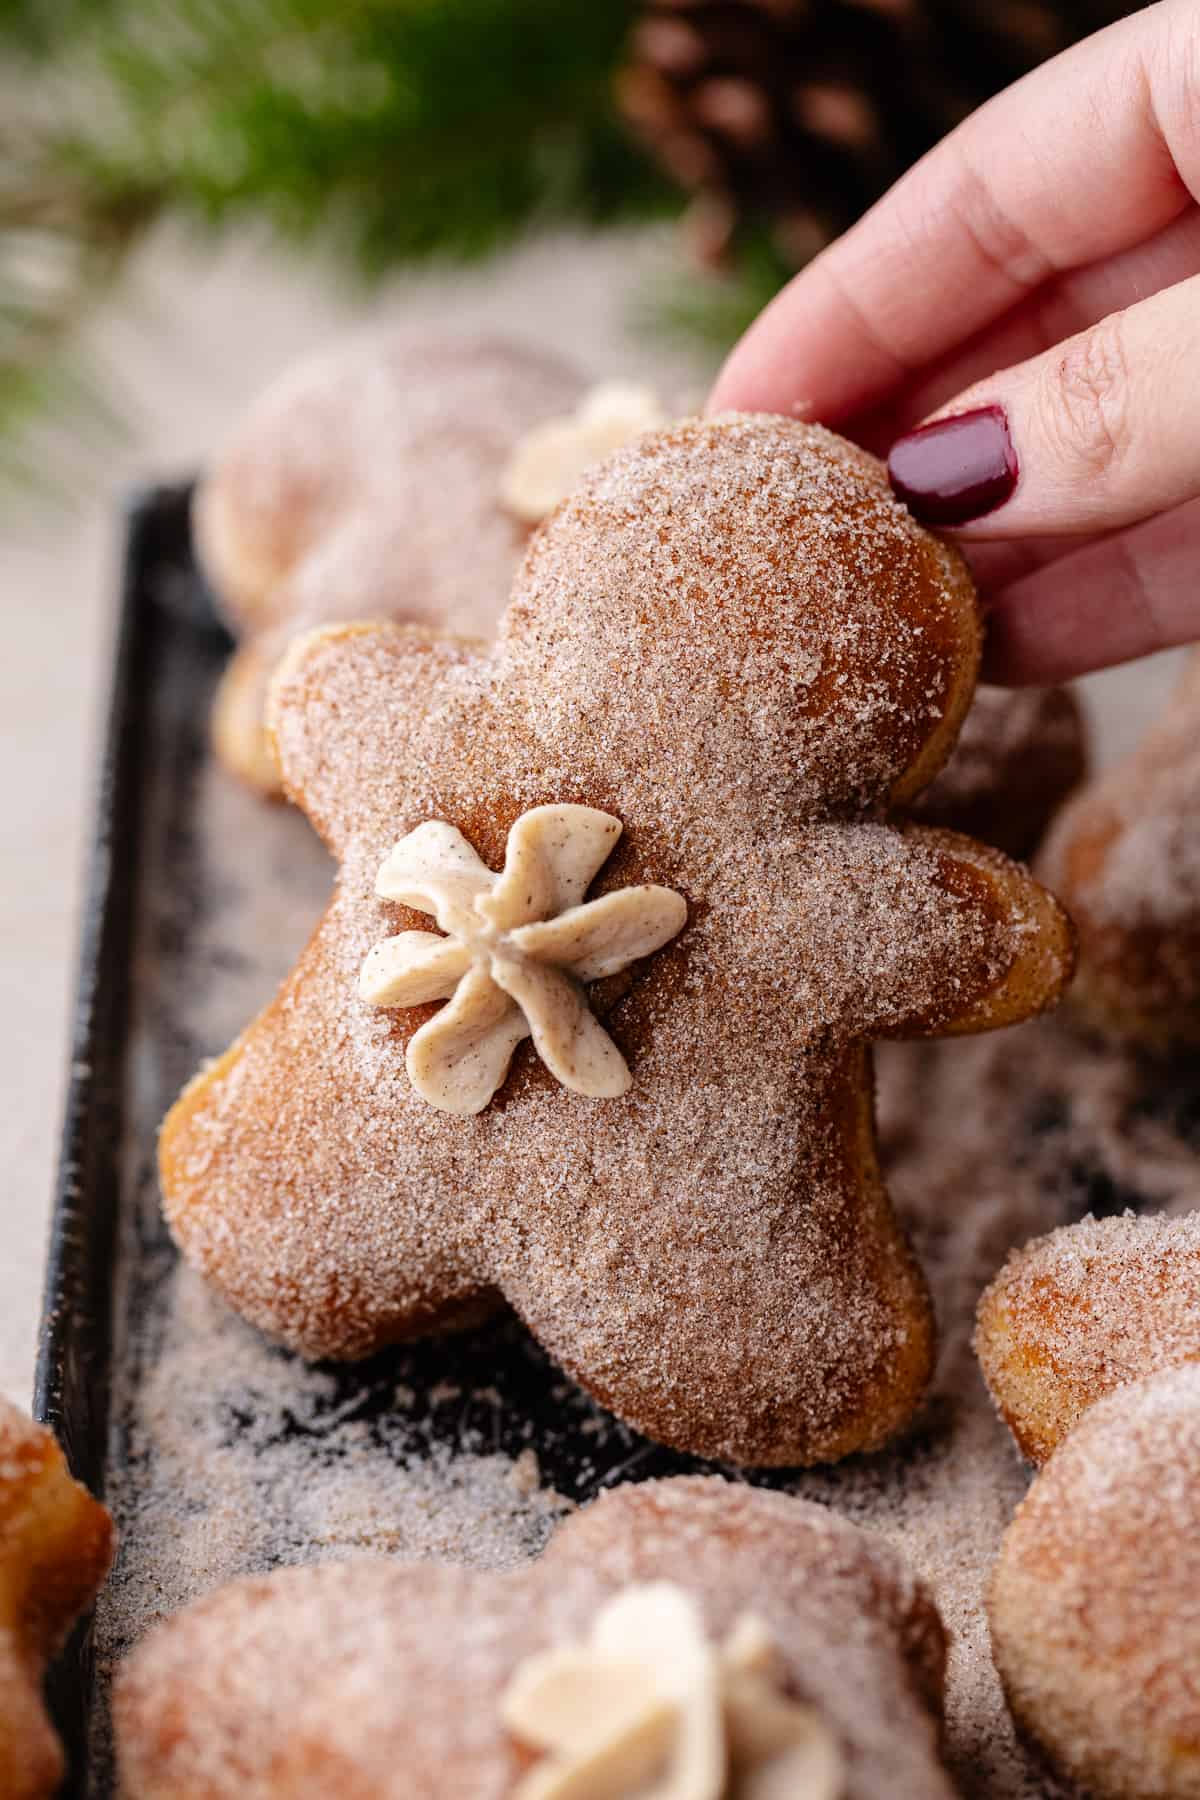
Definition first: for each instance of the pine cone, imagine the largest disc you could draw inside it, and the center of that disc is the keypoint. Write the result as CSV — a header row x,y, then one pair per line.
x,y
800,113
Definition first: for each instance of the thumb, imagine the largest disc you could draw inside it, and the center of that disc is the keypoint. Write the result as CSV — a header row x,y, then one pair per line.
x,y
1097,433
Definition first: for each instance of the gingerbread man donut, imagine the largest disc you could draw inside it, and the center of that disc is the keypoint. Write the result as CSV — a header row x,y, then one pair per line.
x,y
643,1118
1095,1602
1082,1311
367,483
713,1639
1123,857
56,1544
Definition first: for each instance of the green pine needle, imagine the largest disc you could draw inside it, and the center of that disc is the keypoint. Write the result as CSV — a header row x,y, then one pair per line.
x,y
384,130
398,128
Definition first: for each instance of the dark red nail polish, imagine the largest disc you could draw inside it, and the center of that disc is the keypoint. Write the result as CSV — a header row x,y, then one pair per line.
x,y
955,469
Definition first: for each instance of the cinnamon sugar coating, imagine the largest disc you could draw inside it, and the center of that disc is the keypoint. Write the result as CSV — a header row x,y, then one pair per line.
x,y
56,1544
1125,857
402,1666
366,484
1082,1311
734,640
1095,1602
1020,753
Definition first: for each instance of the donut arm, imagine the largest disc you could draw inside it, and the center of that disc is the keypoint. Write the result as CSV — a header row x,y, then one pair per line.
x,y
240,738
907,932
350,716
281,1182
1027,939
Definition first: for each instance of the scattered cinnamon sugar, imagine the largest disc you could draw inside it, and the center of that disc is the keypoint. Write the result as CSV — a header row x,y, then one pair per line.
x,y
239,1458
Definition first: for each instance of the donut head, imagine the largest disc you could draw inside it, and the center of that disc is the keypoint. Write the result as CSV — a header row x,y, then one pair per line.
x,y
742,597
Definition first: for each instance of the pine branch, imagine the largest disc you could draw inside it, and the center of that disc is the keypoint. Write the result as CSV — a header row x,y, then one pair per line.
x,y
40,27
387,130
398,128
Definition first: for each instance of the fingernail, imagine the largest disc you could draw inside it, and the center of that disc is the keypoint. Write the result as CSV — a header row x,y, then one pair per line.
x,y
955,469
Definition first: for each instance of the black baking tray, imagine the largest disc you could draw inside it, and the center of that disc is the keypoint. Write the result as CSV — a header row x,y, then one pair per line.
x,y
160,596
132,1049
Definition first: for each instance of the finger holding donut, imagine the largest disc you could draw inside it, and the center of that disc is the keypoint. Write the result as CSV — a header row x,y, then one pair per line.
x,y
1016,318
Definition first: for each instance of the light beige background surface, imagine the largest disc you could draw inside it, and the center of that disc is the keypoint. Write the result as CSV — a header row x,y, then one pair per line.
x,y
183,346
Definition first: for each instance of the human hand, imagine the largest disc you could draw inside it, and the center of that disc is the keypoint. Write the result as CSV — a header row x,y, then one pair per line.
x,y
1036,278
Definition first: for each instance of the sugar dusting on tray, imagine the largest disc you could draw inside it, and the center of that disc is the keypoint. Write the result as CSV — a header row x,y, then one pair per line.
x,y
247,1459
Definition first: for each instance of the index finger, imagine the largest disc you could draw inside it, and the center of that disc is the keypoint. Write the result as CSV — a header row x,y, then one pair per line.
x,y
1088,155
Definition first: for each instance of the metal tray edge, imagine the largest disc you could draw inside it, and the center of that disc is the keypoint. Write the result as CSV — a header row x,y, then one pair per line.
x,y
71,1379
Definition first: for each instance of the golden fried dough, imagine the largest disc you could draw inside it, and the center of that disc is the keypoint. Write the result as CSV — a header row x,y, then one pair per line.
x,y
1095,1601
1021,752
381,1680
1075,1314
1125,857
731,647
56,1543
